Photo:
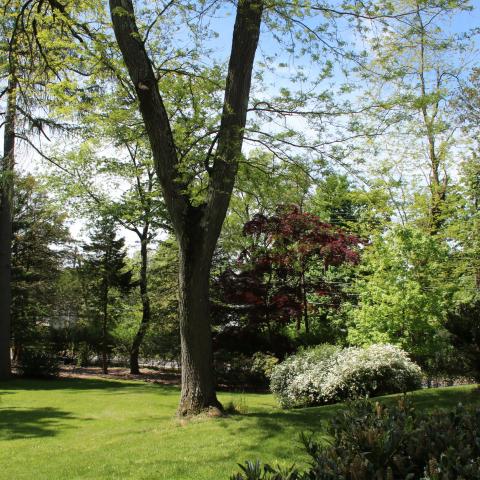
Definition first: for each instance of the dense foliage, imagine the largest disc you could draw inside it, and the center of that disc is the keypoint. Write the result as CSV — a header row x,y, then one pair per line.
x,y
373,441
39,254
404,292
38,362
284,275
243,372
106,279
327,374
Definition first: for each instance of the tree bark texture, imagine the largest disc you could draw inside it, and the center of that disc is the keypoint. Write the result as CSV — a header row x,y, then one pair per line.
x,y
197,227
6,211
306,319
198,382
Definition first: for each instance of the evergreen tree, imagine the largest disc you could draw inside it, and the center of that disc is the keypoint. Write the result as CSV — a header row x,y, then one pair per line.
x,y
33,35
106,277
38,254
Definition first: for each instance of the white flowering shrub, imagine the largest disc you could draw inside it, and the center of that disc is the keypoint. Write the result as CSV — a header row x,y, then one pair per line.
x,y
284,377
306,379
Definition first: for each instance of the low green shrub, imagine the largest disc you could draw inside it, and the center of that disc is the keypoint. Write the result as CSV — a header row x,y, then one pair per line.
x,y
373,442
327,374
236,406
38,363
240,371
263,364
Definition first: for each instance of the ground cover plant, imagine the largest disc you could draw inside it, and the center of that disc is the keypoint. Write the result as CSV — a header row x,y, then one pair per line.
x,y
92,428
327,374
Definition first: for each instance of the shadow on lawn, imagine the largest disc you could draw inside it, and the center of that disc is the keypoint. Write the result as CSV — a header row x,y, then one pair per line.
x,y
445,398
316,419
110,386
306,420
20,423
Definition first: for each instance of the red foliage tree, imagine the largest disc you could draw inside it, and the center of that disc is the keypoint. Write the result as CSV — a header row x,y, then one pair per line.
x,y
272,278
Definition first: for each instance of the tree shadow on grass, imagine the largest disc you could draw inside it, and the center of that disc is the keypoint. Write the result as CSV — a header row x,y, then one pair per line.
x,y
21,423
290,422
113,386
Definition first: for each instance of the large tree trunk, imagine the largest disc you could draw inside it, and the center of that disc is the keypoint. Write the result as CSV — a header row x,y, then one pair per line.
x,y
438,188
198,382
197,228
142,330
6,210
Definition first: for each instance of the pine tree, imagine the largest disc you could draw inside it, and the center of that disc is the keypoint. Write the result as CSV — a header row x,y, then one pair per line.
x,y
38,254
106,276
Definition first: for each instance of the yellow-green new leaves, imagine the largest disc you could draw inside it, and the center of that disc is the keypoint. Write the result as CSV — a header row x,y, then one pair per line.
x,y
404,292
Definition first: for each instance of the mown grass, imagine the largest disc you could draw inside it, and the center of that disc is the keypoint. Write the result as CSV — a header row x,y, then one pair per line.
x,y
97,429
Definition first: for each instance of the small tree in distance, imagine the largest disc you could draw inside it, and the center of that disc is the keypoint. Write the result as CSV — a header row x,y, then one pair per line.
x,y
105,272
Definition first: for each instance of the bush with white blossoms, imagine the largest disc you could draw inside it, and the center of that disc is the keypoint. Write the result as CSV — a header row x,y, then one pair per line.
x,y
327,374
284,377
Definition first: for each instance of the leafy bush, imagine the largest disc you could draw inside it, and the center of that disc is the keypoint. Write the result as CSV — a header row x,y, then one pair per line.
x,y
376,370
326,375
263,364
463,325
38,363
236,406
371,441
242,371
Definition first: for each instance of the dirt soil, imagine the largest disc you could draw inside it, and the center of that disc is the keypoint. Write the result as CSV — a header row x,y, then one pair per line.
x,y
120,373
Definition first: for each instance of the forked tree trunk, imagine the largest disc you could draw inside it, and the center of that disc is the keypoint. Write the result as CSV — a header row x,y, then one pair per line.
x,y
142,329
197,228
6,211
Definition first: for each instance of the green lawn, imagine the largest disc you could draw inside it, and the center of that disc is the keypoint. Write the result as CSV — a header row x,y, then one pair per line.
x,y
96,429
